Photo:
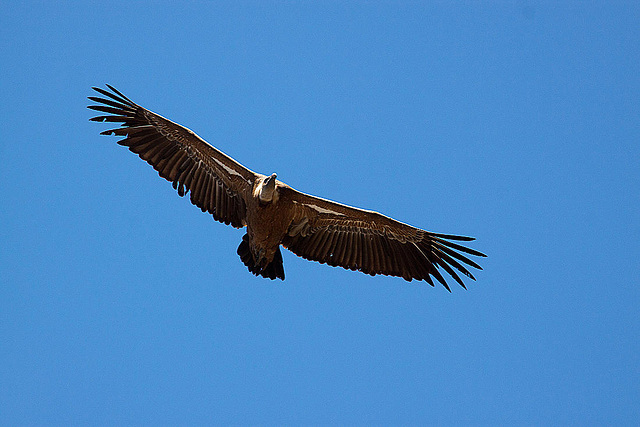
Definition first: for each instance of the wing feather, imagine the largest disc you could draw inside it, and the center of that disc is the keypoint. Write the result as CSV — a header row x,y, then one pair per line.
x,y
217,183
353,238
448,262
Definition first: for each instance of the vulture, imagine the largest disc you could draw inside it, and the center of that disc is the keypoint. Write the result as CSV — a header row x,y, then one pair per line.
x,y
276,214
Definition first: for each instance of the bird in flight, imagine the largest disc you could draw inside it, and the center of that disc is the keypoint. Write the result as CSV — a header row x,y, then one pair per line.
x,y
274,213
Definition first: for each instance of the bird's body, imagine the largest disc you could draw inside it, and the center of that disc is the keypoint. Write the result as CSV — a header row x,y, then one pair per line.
x,y
276,214
267,223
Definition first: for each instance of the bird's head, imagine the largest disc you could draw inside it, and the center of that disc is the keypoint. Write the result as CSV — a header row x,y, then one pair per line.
x,y
268,189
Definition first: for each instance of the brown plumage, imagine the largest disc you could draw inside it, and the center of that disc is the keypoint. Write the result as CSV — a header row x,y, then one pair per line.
x,y
276,214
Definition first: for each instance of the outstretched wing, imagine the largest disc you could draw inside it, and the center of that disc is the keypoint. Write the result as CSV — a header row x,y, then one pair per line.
x,y
358,239
218,184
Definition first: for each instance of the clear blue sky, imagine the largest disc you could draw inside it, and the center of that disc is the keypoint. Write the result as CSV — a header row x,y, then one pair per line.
x,y
514,122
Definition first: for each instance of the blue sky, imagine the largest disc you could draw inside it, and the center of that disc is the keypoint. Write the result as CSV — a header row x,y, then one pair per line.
x,y
514,122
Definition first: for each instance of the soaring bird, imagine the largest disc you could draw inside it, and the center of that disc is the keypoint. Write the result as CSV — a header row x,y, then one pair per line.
x,y
276,214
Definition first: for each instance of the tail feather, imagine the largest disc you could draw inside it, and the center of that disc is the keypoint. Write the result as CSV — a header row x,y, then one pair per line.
x,y
274,270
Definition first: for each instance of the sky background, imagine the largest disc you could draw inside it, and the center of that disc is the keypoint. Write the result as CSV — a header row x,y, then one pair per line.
x,y
514,122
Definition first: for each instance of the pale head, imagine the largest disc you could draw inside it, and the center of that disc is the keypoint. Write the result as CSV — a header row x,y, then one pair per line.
x,y
267,189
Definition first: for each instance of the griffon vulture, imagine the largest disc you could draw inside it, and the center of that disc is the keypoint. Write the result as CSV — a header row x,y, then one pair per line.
x,y
276,214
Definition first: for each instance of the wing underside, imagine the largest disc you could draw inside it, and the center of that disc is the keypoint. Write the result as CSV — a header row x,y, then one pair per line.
x,y
357,239
217,183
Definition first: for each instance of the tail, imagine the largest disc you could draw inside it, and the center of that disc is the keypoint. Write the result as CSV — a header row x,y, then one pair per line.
x,y
272,271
